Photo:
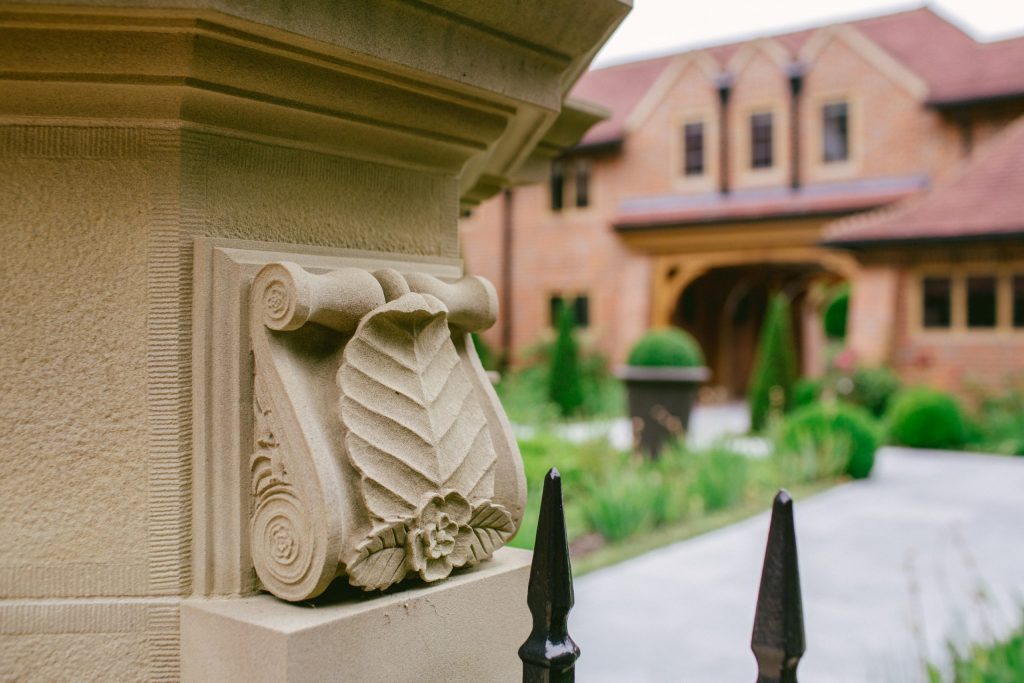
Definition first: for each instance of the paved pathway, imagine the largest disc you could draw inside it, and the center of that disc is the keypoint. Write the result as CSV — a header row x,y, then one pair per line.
x,y
931,548
707,425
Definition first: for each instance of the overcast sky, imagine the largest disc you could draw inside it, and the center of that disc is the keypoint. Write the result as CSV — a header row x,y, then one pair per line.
x,y
660,26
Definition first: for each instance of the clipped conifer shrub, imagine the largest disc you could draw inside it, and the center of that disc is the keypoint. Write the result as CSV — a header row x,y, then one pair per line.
x,y
565,383
836,437
670,347
925,418
775,365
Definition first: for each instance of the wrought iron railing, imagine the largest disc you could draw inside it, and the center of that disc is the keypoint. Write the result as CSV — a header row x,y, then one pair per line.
x,y
549,655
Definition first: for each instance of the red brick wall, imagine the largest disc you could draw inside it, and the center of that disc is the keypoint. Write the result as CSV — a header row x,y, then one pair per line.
x,y
567,253
956,360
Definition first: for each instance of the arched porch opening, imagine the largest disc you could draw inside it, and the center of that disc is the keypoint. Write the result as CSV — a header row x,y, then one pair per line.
x,y
724,309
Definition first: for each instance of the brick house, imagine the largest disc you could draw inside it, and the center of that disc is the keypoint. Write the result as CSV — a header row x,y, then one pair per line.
x,y
715,176
940,290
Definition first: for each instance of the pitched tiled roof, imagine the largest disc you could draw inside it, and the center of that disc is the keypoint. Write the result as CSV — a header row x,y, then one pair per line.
x,y
619,88
953,65
756,204
984,199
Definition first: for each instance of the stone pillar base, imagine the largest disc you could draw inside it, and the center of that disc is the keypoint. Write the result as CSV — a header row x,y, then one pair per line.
x,y
468,628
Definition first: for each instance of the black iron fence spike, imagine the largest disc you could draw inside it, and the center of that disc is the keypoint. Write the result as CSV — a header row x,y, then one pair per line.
x,y
778,639
549,655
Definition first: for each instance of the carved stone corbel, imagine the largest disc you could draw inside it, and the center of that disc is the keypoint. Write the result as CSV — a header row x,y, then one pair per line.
x,y
380,448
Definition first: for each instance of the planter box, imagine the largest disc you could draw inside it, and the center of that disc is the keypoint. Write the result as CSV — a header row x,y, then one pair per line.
x,y
660,401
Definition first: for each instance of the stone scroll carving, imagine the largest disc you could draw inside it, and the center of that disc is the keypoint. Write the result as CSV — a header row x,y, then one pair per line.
x,y
380,449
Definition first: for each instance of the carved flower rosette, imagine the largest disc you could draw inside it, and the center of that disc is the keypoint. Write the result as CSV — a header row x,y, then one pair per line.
x,y
396,476
420,443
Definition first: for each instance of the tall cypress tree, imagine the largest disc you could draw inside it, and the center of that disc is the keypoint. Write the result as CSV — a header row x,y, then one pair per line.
x,y
775,365
565,386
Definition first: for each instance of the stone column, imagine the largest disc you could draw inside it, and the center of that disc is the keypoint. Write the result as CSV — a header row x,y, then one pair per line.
x,y
138,144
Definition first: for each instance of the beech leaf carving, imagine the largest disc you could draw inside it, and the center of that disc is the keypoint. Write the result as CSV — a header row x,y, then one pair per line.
x,y
492,526
412,422
379,561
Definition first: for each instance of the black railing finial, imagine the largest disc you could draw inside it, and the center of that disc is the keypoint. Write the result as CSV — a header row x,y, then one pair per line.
x,y
549,655
778,640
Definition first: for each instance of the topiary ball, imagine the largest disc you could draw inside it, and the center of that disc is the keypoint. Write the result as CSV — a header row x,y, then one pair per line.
x,y
925,418
667,347
822,425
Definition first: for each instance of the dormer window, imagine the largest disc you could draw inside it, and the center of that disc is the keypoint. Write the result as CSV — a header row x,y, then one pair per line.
x,y
836,132
693,148
761,143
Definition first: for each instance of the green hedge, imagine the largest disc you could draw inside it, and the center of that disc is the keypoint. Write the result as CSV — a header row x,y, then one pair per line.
x,y
926,418
667,347
837,436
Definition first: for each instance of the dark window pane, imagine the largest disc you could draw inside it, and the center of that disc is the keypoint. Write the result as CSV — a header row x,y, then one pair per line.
x,y
1018,300
693,148
937,297
582,310
582,183
556,185
981,301
761,140
580,306
554,307
836,143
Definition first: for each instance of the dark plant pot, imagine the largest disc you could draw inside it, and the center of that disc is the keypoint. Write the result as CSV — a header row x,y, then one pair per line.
x,y
660,401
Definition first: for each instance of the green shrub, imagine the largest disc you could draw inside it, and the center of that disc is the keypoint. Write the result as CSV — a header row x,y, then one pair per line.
x,y
806,391
873,388
525,392
830,438
483,351
836,311
603,394
565,386
925,418
999,662
620,507
720,477
580,464
999,424
775,365
524,396
543,451
666,347
672,478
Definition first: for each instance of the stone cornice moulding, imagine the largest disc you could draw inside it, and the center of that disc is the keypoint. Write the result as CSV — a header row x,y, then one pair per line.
x,y
456,89
224,74
361,435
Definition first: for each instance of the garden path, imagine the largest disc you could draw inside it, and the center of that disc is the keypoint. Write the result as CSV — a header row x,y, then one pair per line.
x,y
930,549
